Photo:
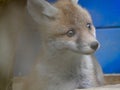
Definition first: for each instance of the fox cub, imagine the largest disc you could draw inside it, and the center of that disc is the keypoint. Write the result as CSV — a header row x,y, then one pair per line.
x,y
68,41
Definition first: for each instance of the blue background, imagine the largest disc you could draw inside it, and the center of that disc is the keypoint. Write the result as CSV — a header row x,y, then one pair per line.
x,y
106,13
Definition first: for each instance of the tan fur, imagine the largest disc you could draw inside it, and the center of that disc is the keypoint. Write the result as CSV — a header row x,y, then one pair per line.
x,y
73,16
27,39
14,33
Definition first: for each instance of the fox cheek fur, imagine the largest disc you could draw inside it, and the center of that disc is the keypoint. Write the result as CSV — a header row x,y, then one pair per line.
x,y
78,43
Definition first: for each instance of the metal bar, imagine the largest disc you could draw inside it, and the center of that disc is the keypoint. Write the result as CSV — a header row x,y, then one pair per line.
x,y
107,27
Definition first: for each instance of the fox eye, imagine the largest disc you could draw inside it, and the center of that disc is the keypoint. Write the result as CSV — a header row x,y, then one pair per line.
x,y
71,33
89,26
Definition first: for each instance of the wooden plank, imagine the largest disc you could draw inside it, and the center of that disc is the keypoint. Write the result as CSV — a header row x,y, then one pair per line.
x,y
112,79
112,83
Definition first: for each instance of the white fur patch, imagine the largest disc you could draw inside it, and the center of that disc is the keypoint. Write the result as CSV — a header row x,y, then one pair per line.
x,y
74,1
94,32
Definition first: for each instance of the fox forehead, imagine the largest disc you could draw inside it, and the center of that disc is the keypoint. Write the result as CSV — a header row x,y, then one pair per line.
x,y
72,14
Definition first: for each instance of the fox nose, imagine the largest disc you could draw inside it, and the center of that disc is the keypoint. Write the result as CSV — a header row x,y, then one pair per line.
x,y
94,45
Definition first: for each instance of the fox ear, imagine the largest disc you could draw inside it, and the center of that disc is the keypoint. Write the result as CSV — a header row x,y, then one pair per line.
x,y
38,7
74,1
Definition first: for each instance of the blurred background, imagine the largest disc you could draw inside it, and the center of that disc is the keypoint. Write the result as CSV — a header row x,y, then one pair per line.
x,y
106,18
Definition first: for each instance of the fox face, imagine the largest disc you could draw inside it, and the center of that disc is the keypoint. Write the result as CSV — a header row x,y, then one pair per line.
x,y
67,26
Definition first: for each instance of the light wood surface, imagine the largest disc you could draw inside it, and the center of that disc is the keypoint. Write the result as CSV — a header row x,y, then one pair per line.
x,y
112,83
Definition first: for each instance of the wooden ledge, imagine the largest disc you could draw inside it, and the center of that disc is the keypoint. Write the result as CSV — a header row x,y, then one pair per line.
x,y
112,79
112,83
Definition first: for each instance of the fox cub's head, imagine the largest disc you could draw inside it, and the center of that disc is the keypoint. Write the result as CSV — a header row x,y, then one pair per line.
x,y
64,25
